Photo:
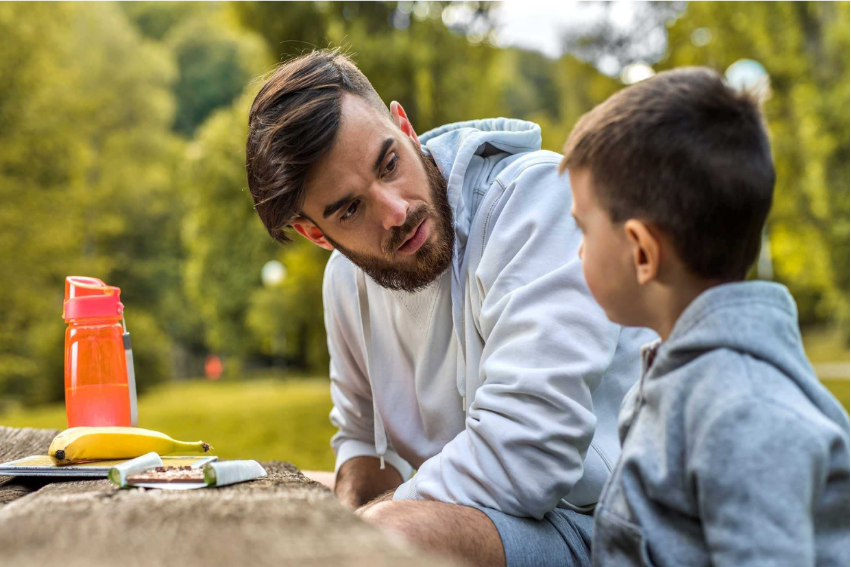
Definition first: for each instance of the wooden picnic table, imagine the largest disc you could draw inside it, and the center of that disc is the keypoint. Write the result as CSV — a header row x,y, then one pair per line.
x,y
282,519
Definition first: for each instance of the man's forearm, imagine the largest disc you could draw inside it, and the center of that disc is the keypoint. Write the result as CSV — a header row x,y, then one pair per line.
x,y
361,479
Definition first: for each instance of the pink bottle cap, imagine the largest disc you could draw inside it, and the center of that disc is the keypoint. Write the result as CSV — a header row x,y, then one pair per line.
x,y
90,298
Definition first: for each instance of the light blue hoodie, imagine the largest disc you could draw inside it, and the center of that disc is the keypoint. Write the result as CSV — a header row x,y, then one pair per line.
x,y
733,452
510,401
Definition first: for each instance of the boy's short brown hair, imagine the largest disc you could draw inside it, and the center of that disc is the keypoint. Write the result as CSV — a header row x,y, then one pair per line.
x,y
689,154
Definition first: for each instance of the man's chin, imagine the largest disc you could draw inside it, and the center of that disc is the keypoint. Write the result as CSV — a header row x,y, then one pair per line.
x,y
403,280
408,273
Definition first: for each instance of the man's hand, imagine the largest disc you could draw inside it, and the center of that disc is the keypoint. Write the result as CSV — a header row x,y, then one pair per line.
x,y
361,479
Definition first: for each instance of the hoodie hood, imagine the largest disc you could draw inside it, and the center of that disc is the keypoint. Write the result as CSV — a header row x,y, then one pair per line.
x,y
755,318
454,148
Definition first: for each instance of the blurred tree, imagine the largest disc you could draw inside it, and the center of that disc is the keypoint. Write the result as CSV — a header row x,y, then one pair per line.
x,y
288,320
155,19
215,57
215,62
225,242
613,40
805,49
72,177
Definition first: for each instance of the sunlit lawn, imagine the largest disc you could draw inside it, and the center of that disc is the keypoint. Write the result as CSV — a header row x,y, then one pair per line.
x,y
826,346
265,419
287,419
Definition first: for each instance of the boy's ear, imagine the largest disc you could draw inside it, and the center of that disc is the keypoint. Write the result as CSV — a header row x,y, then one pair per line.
x,y
305,227
401,120
646,250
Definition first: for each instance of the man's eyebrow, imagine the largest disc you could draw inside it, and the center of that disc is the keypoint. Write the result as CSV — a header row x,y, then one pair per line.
x,y
332,208
382,152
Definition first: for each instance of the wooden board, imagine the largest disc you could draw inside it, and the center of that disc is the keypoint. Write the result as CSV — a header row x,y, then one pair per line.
x,y
279,520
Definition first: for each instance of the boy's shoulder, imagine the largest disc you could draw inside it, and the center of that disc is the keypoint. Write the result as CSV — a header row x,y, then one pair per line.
x,y
738,345
729,395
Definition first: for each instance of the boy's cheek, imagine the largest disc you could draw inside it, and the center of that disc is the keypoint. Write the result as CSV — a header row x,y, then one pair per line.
x,y
600,281
591,273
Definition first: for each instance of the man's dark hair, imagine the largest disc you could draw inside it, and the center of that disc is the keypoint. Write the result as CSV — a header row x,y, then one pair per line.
x,y
292,125
689,154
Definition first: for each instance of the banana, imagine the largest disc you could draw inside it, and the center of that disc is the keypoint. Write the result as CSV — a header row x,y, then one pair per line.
x,y
98,443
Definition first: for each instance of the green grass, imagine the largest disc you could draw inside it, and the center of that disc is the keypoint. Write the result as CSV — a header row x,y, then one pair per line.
x,y
288,419
827,346
841,388
262,420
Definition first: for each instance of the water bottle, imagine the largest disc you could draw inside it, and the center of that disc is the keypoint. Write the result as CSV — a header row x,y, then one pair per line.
x,y
100,388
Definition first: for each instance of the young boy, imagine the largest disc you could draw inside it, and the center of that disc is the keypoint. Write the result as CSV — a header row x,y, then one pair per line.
x,y
733,453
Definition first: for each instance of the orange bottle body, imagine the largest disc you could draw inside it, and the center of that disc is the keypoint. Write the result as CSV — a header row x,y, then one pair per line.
x,y
96,391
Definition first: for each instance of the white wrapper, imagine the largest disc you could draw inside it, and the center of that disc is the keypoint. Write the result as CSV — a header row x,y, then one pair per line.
x,y
119,473
232,472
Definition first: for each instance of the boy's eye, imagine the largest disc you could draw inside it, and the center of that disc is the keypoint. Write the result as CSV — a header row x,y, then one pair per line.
x,y
353,208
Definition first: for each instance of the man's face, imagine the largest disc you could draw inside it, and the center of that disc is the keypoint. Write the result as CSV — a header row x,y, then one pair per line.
x,y
605,252
380,201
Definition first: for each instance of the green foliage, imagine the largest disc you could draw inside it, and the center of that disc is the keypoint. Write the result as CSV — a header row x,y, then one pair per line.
x,y
805,49
215,63
155,19
84,146
225,241
288,319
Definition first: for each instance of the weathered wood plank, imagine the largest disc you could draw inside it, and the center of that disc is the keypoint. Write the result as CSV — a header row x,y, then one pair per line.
x,y
18,443
283,519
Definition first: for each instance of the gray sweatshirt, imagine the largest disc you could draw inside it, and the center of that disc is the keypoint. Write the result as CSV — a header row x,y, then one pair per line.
x,y
733,452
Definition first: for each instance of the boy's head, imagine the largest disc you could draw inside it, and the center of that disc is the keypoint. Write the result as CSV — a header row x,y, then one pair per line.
x,y
672,181
326,157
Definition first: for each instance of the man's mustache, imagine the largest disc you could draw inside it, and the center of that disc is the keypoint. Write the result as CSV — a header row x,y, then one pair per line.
x,y
400,233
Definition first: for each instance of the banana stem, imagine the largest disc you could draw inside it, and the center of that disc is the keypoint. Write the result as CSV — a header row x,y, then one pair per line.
x,y
196,447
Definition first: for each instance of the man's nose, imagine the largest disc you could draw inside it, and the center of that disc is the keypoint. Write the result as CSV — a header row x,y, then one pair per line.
x,y
392,208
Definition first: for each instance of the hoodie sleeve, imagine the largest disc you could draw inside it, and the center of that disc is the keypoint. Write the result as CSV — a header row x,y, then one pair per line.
x,y
547,345
757,470
351,394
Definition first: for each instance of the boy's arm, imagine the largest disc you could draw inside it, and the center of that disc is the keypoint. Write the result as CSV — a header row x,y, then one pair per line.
x,y
757,471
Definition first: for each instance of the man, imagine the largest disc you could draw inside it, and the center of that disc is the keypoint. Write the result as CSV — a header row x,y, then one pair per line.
x,y
464,342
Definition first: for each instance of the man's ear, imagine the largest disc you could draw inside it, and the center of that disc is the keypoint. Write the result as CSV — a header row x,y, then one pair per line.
x,y
305,227
401,120
646,250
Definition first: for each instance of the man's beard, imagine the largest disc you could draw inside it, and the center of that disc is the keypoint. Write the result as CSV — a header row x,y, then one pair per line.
x,y
432,258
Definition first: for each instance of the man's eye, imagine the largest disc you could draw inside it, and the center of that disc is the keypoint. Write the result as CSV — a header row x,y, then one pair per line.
x,y
391,165
353,208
